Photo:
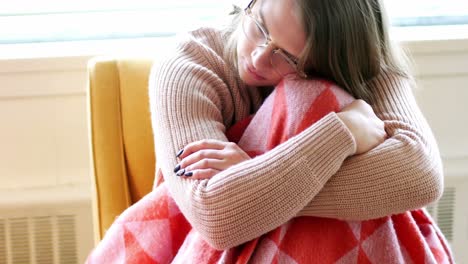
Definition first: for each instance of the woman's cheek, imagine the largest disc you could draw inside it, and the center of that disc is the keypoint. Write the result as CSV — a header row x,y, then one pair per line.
x,y
242,53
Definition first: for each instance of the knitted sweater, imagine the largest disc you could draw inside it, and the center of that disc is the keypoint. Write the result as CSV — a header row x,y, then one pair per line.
x,y
196,94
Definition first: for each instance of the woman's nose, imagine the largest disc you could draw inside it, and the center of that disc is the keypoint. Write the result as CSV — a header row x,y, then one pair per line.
x,y
261,57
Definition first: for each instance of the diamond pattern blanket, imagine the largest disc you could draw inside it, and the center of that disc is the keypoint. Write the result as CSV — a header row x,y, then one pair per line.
x,y
155,231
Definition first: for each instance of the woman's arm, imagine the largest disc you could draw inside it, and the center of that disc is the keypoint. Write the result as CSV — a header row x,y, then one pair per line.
x,y
403,173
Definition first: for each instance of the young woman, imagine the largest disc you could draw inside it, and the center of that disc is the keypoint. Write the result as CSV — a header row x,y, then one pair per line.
x,y
345,188
376,158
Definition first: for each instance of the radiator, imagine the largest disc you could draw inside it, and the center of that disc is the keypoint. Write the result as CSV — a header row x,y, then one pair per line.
x,y
451,215
49,234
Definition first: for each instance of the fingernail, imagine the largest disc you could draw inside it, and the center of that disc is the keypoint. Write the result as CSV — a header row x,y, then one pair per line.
x,y
177,168
179,153
181,172
189,174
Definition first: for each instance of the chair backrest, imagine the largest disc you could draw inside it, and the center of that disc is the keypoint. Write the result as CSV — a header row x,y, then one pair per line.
x,y
121,138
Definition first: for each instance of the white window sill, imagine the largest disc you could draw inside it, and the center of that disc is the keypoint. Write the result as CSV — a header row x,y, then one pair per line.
x,y
432,38
75,54
13,56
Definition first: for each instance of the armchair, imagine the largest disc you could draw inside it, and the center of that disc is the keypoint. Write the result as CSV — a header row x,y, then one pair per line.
x,y
121,138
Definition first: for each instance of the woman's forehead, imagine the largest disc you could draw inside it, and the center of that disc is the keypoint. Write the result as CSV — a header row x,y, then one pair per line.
x,y
282,22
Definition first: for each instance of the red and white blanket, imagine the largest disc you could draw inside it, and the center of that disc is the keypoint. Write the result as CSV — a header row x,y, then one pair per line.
x,y
154,230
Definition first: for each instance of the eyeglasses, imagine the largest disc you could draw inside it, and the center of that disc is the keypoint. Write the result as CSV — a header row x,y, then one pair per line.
x,y
283,62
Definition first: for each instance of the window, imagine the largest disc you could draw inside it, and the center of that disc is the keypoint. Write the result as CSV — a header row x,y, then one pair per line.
x,y
24,21
427,12
27,21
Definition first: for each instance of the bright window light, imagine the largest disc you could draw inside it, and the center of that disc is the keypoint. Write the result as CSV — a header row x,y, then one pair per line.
x,y
24,21
427,12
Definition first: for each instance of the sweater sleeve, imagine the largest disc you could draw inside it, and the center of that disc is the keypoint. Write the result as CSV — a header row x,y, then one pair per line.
x,y
401,174
191,100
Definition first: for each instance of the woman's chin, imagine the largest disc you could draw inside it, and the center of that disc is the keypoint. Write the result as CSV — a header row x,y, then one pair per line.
x,y
252,81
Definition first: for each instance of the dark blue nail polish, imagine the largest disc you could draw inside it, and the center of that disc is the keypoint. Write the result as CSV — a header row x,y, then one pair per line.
x,y
189,174
181,172
177,168
179,153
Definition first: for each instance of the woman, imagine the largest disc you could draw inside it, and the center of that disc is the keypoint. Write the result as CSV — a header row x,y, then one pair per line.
x,y
354,165
344,189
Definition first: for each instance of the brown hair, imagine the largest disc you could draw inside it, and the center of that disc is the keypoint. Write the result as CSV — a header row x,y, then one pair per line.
x,y
347,42
230,33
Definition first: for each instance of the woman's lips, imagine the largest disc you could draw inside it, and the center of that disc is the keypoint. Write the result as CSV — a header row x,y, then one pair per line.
x,y
254,73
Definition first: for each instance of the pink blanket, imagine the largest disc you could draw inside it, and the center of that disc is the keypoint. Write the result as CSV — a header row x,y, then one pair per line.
x,y
154,230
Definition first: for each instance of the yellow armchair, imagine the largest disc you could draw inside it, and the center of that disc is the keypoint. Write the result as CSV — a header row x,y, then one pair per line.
x,y
121,138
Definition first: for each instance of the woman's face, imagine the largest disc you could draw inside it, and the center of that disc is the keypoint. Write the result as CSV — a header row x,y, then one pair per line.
x,y
286,32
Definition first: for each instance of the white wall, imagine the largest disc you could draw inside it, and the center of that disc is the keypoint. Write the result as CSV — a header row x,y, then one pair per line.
x,y
44,153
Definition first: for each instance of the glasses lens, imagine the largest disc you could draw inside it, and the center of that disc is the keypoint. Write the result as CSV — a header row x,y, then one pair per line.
x,y
282,64
252,31
279,61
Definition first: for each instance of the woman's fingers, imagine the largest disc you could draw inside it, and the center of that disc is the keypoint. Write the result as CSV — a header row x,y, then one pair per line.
x,y
367,129
199,174
207,157
200,145
204,154
215,164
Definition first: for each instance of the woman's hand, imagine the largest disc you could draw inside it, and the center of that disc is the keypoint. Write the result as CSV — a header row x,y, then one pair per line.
x,y
367,129
205,158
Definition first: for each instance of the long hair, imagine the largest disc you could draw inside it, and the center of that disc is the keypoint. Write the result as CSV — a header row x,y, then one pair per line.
x,y
231,35
347,42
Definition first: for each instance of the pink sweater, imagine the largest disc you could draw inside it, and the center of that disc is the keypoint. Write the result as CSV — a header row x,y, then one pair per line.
x,y
195,94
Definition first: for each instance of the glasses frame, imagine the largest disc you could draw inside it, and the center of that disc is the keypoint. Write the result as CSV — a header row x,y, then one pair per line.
x,y
285,55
